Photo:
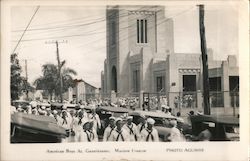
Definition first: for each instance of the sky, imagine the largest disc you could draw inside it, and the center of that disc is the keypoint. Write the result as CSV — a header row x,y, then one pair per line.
x,y
84,29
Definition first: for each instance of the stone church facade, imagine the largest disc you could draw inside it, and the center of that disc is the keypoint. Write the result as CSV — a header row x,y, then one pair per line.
x,y
141,58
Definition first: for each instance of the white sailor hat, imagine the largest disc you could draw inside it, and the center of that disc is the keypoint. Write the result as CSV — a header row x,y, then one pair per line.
x,y
167,107
43,107
55,112
118,119
81,107
64,111
151,121
129,117
33,103
173,122
111,118
42,112
180,120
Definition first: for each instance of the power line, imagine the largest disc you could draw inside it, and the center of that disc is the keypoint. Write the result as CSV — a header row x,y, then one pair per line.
x,y
63,28
95,33
131,35
67,26
56,23
77,35
26,29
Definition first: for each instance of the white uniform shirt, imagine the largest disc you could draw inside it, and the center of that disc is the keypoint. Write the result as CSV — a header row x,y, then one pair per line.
x,y
140,127
175,135
87,136
107,133
29,110
132,130
122,135
77,124
78,127
97,121
149,135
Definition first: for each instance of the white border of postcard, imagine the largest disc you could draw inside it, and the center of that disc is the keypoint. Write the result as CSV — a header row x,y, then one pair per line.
x,y
106,151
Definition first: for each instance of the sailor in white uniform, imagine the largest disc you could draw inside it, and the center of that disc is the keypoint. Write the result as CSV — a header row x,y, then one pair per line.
x,y
83,111
109,129
88,134
96,119
77,126
58,119
42,111
142,125
175,134
120,134
67,124
34,110
150,134
131,129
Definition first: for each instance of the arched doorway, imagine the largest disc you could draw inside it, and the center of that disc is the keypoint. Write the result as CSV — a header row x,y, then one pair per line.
x,y
114,79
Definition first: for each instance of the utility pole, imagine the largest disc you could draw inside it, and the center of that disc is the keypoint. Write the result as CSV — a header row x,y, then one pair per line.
x,y
59,64
204,62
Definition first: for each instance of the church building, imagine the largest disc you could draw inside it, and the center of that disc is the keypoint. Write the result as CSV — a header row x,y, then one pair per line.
x,y
141,59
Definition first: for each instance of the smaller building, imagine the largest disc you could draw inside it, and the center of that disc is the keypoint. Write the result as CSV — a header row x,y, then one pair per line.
x,y
82,91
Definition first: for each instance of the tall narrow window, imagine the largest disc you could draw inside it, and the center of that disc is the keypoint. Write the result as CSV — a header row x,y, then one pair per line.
x,y
160,84
145,28
138,31
142,29
136,80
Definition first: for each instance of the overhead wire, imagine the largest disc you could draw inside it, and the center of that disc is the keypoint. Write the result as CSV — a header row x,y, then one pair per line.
x,y
94,33
56,22
77,35
85,34
131,35
26,29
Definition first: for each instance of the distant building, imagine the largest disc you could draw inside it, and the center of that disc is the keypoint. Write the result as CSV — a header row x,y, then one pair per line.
x,y
141,58
81,92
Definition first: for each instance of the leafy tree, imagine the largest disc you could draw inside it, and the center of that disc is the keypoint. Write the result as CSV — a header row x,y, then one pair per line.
x,y
15,77
50,80
18,84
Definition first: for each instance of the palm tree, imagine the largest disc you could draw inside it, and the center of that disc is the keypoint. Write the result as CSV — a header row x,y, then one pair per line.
x,y
50,80
67,80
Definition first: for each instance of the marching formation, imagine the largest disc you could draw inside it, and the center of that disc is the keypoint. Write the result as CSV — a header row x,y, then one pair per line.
x,y
82,126
82,122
